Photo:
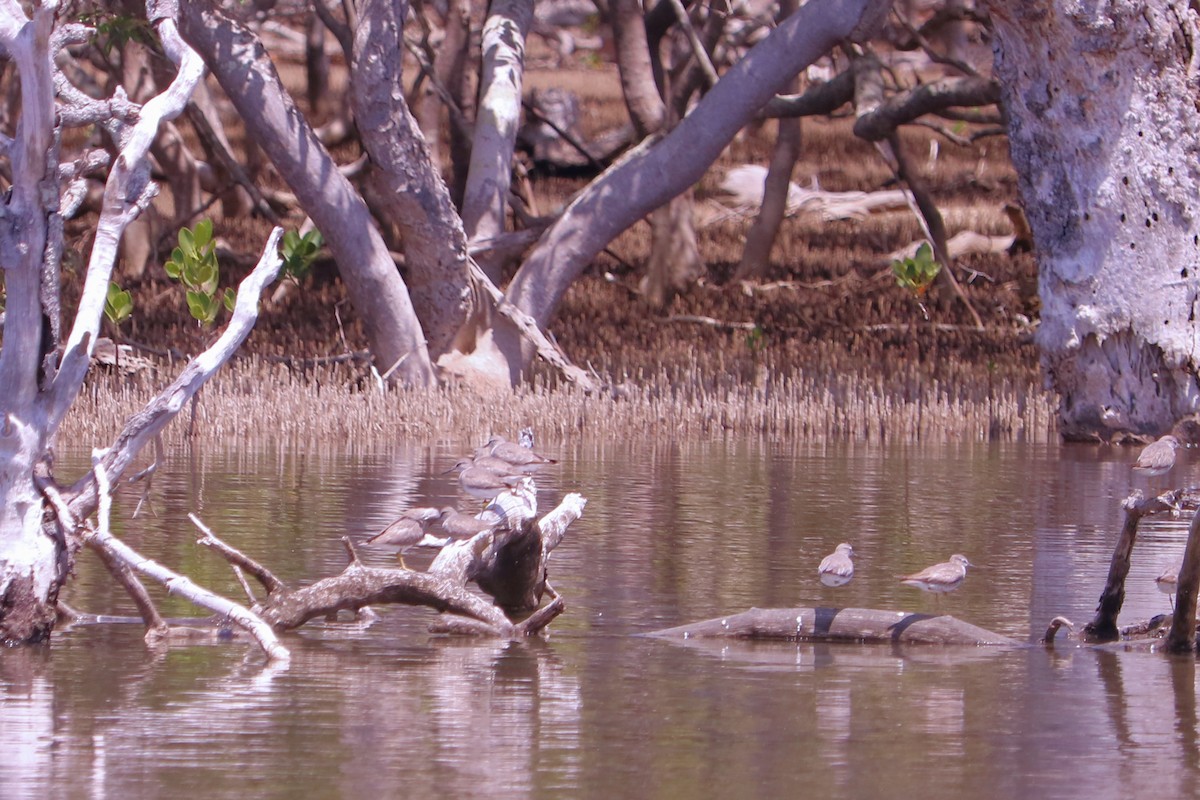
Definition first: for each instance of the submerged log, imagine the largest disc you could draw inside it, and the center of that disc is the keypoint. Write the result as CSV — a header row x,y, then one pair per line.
x,y
862,625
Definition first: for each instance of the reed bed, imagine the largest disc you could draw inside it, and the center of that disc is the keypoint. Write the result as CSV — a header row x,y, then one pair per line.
x,y
257,401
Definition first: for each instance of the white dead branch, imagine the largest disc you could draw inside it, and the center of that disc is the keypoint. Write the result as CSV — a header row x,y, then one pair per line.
x,y
744,185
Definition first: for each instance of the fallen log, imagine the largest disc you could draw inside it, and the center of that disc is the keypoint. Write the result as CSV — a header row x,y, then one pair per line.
x,y
862,625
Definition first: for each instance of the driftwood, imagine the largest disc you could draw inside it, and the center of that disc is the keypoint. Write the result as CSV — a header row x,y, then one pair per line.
x,y
508,563
861,625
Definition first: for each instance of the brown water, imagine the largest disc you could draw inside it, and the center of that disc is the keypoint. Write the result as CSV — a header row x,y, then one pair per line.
x,y
670,534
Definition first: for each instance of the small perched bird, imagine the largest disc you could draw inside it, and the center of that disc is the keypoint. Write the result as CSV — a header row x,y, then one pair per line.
x,y
940,578
482,482
836,568
1168,583
410,530
1157,458
522,459
463,526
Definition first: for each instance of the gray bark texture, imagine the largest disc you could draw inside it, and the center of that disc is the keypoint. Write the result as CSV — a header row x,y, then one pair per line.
x,y
1105,136
652,175
410,187
499,116
240,63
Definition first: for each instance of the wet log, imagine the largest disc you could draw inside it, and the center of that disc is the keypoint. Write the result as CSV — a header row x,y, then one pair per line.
x,y
508,563
860,625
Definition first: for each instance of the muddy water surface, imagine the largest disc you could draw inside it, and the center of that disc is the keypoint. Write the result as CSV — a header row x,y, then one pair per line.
x,y
670,534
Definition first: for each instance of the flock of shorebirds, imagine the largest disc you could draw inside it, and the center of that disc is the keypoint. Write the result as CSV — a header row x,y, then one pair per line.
x,y
837,568
497,466
500,465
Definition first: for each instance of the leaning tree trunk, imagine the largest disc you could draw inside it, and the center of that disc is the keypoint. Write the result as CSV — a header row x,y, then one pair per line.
x,y
654,174
1105,136
241,65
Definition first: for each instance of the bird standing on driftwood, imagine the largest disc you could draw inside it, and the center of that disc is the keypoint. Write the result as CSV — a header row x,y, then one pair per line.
x,y
940,578
410,530
464,526
483,483
836,568
1157,458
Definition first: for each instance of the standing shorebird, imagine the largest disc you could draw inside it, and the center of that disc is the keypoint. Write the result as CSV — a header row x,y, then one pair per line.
x,y
940,578
482,482
410,530
522,459
1168,583
836,568
464,526
1157,458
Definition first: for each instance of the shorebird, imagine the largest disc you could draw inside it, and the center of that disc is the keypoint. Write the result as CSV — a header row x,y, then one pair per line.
x,y
522,459
482,482
940,578
836,568
463,526
1168,583
410,530
1157,458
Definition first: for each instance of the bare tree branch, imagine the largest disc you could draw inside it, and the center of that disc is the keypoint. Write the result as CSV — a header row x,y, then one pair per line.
x,y
176,584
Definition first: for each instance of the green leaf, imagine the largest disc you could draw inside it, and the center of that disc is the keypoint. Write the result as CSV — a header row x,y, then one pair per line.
x,y
917,272
187,242
207,276
174,267
202,234
118,304
230,299
203,307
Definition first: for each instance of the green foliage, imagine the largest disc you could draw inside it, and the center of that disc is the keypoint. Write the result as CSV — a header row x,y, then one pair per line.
x,y
194,264
917,272
299,252
114,31
118,305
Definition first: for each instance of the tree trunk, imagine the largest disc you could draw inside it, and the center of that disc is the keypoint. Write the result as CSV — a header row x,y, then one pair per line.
x,y
490,176
760,239
450,70
29,570
653,175
645,104
241,65
1105,138
674,262
435,246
